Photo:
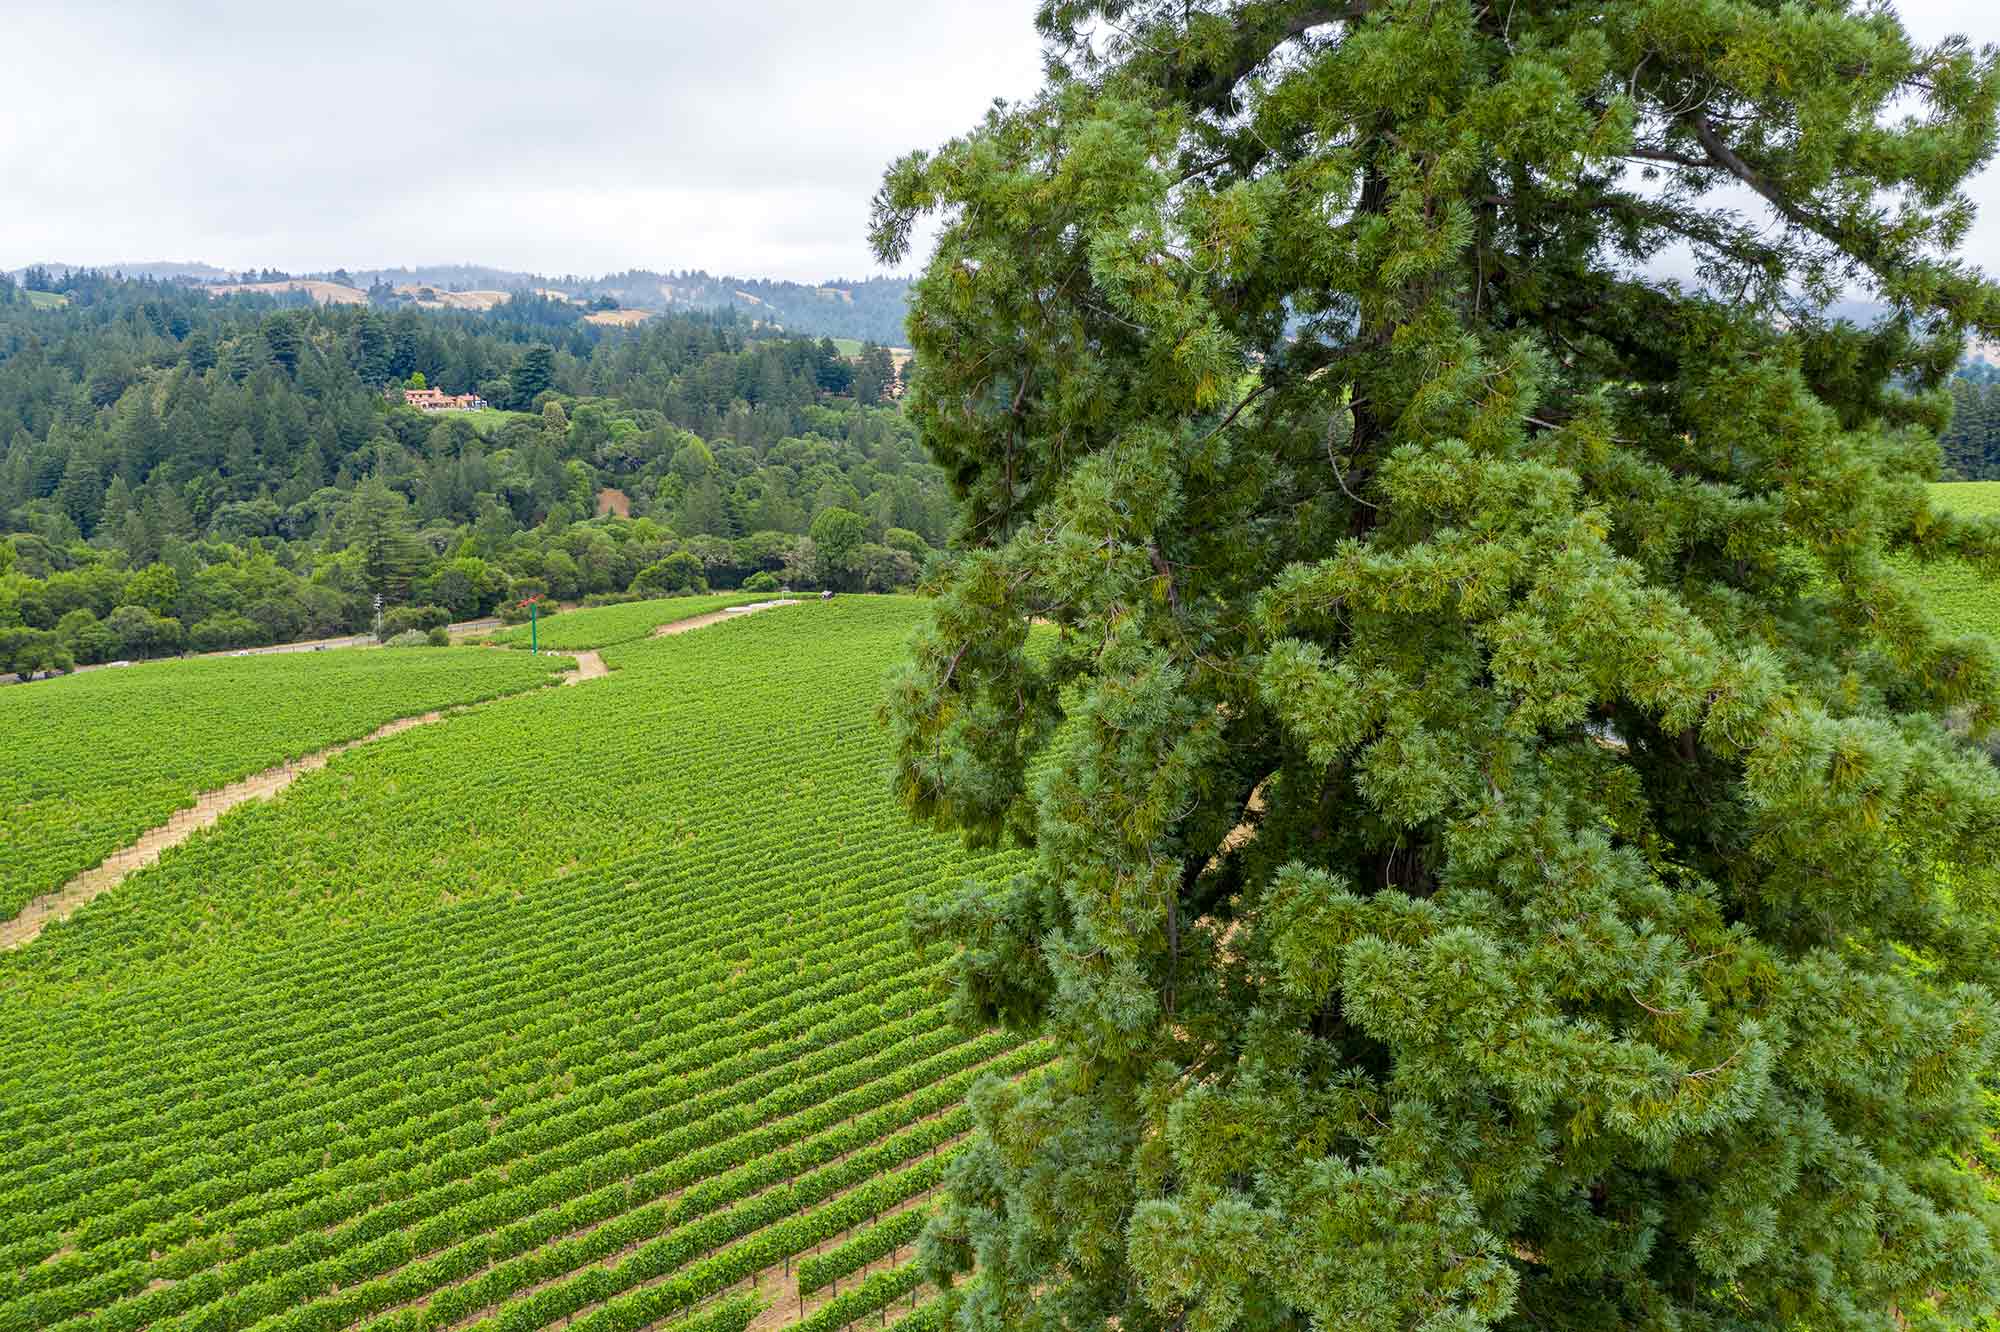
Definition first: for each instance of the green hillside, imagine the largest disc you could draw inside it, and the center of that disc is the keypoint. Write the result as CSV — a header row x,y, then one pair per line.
x,y
1973,497
96,758
1962,597
591,1004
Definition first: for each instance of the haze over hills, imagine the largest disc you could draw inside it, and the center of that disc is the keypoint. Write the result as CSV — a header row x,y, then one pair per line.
x,y
871,309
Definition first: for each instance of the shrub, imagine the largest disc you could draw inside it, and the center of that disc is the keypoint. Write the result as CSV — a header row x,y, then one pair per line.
x,y
467,587
405,618
513,612
140,633
910,543
678,572
225,629
409,638
30,652
761,581
85,636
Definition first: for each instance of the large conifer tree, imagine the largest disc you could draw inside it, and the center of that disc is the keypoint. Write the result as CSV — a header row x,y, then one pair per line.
x,y
1503,854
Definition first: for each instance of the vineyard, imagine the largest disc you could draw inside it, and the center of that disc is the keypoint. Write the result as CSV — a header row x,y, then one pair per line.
x,y
602,626
588,1008
1964,599
94,759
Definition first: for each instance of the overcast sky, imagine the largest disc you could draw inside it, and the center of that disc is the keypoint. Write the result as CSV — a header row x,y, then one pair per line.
x,y
742,137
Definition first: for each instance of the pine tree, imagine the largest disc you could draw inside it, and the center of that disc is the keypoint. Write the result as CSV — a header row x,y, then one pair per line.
x,y
81,492
371,354
1500,858
702,511
120,508
1972,443
532,374
246,358
377,522
167,514
200,351
284,341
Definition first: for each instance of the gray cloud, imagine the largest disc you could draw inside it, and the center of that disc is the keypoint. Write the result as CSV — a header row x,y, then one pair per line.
x,y
583,137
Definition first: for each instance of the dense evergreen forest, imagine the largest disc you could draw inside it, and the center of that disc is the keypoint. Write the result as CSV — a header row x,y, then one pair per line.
x,y
181,473
1972,443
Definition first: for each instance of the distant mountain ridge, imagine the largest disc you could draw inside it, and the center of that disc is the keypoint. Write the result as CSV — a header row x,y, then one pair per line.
x,y
157,270
872,309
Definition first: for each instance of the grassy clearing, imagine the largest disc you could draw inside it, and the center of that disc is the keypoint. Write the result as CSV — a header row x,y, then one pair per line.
x,y
489,420
47,300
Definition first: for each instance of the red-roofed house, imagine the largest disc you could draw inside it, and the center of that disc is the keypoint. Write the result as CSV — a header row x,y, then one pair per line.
x,y
437,400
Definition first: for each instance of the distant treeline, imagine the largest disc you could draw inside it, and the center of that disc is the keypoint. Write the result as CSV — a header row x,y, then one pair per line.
x,y
869,309
177,471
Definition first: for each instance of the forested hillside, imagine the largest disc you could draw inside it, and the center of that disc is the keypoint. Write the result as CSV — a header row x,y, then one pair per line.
x,y
867,308
180,472
1972,442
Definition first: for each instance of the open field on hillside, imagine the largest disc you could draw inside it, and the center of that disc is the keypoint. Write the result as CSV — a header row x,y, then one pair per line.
x,y
335,293
1961,597
437,298
853,346
47,300
1974,497
94,759
602,626
486,420
629,1033
325,293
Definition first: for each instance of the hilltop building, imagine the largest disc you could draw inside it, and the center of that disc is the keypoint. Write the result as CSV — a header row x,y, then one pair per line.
x,y
437,400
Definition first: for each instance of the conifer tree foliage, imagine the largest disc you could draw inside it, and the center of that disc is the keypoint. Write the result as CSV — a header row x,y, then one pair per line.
x,y
378,525
1501,857
1972,444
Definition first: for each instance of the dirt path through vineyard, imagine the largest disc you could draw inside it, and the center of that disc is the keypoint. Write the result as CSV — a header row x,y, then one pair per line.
x,y
717,617
589,666
210,806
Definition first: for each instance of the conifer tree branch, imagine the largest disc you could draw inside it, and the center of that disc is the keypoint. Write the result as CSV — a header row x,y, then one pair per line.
x,y
1724,158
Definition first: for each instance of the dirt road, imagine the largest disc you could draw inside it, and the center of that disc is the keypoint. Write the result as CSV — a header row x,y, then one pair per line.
x,y
208,807
717,617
